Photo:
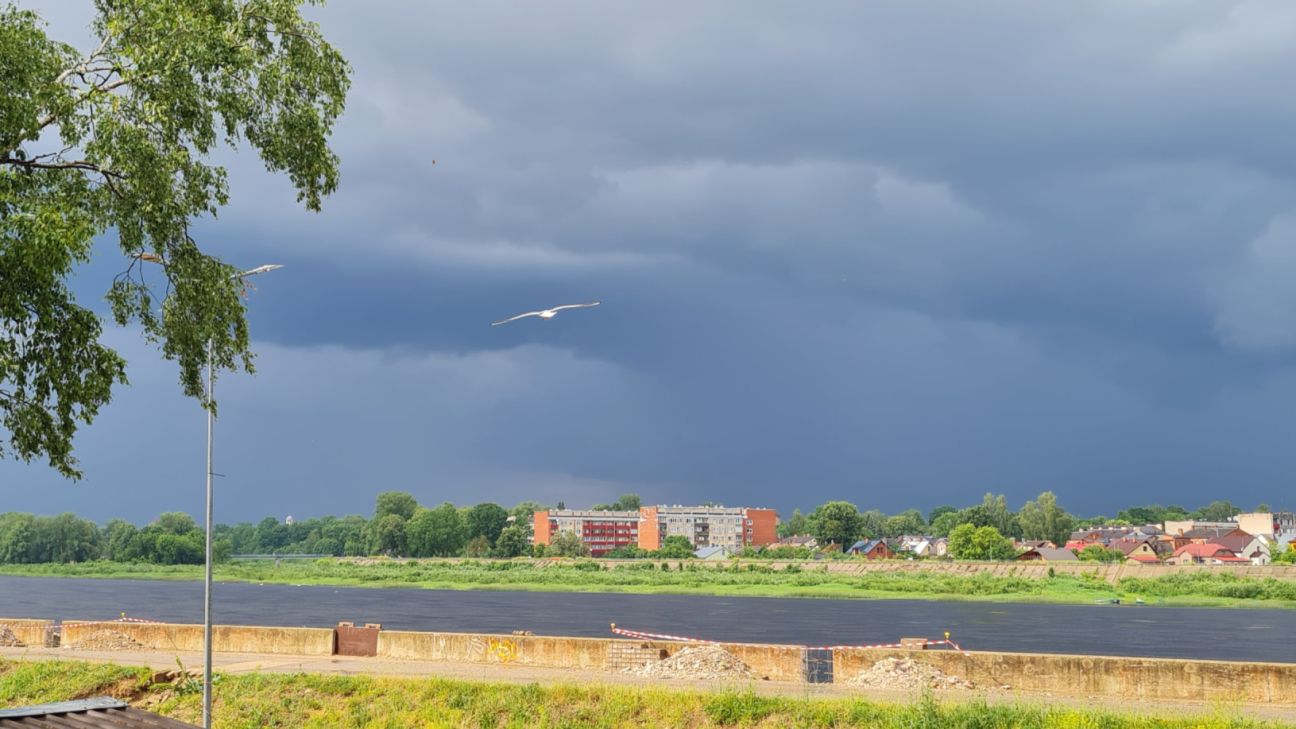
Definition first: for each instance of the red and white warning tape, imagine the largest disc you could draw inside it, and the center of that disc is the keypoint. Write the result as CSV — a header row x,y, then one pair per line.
x,y
662,636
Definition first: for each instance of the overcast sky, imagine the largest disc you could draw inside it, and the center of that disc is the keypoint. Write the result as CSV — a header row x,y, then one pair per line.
x,y
894,253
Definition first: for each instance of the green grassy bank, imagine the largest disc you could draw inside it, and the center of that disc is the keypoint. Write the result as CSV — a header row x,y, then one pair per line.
x,y
1202,589
254,701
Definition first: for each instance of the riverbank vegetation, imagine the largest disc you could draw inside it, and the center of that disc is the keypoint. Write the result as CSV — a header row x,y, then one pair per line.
x,y
252,701
809,579
401,527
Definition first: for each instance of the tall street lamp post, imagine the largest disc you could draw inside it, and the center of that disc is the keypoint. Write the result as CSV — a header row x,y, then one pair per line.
x,y
207,570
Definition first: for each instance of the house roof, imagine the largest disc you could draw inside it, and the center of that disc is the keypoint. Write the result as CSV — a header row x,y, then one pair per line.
x,y
1211,532
705,552
797,541
865,546
1233,542
98,713
1148,558
1127,545
1052,555
1204,550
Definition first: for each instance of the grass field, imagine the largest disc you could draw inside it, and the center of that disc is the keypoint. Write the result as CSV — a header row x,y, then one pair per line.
x,y
252,701
1203,589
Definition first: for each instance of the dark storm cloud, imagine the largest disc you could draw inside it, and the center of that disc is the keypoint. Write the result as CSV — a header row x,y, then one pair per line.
x,y
895,253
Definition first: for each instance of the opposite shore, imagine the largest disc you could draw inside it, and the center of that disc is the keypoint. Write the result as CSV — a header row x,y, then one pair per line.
x,y
991,582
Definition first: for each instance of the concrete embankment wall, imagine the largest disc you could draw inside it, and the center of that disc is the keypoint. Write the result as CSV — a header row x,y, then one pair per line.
x,y
1134,678
225,638
1152,678
29,631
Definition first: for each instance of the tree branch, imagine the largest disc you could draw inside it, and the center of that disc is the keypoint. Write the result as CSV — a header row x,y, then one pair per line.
x,y
69,165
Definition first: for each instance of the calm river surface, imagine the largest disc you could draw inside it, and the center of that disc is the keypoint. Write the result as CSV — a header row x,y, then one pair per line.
x,y
1216,633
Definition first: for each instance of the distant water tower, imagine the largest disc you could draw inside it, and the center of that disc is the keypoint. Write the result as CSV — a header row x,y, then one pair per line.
x,y
289,520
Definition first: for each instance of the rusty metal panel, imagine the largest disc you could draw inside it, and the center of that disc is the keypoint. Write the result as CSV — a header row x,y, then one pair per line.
x,y
352,641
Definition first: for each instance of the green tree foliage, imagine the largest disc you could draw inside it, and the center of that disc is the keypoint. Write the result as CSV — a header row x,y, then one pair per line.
x,y
999,516
1287,556
389,536
1218,511
944,523
909,521
119,138
524,514
675,547
936,513
794,526
967,541
1044,519
1099,553
567,544
478,546
438,532
512,542
395,502
486,520
873,524
837,522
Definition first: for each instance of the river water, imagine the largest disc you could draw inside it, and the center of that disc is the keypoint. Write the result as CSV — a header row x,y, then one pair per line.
x,y
1206,633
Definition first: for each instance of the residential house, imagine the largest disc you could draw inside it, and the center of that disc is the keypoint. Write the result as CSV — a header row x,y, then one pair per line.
x,y
1048,554
1254,548
1210,554
1034,544
804,541
1136,550
871,549
939,547
916,545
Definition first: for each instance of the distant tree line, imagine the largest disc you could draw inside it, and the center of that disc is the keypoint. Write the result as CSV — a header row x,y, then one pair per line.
x,y
985,530
401,527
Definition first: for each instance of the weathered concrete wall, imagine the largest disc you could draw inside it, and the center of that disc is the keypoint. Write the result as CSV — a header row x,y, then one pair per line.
x,y
528,650
1134,678
775,662
225,638
1149,678
28,630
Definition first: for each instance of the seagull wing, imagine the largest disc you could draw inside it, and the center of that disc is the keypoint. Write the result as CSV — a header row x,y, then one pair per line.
x,y
515,318
575,306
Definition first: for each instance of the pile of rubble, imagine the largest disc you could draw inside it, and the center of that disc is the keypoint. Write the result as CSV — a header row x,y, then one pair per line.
x,y
906,673
8,639
106,640
704,662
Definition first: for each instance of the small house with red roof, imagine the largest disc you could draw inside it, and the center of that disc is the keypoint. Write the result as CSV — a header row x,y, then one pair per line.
x,y
1211,554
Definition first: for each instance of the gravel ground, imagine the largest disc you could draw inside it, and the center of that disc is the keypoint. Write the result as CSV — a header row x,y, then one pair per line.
x,y
106,640
906,673
706,662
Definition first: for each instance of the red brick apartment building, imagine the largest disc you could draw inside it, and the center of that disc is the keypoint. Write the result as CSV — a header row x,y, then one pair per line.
x,y
703,526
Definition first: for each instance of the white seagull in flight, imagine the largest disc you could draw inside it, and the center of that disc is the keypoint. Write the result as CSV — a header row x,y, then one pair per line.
x,y
545,313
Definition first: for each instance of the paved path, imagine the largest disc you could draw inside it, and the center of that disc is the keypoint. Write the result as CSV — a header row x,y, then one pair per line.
x,y
266,663
1146,631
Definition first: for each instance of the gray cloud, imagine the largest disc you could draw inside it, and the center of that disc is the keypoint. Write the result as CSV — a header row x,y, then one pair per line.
x,y
899,254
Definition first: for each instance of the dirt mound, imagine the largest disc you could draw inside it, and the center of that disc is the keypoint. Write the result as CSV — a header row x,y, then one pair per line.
x,y
8,639
706,662
106,640
906,673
